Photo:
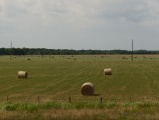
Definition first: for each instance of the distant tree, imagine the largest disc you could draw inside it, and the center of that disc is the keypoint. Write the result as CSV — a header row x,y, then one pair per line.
x,y
43,51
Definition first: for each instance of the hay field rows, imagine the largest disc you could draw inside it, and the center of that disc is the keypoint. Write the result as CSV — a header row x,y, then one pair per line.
x,y
131,92
55,78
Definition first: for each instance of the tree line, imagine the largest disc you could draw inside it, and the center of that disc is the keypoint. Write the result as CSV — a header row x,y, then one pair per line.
x,y
44,51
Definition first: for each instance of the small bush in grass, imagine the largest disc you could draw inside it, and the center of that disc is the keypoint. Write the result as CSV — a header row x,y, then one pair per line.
x,y
67,106
131,104
79,105
111,105
20,106
90,105
9,106
32,107
50,105
101,105
148,105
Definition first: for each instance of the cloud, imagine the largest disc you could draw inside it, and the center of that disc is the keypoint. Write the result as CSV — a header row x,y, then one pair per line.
x,y
78,14
133,11
0,9
67,12
78,21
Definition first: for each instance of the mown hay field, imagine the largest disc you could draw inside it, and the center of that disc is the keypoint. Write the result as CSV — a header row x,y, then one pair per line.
x,y
60,77
57,78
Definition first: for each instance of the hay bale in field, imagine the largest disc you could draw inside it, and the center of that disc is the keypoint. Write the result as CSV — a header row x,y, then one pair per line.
x,y
107,71
87,89
22,74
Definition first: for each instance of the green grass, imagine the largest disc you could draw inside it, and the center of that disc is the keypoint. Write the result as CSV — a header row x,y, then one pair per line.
x,y
31,107
80,111
59,77
54,79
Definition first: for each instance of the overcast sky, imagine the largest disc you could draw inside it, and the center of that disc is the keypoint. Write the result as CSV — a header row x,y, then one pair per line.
x,y
80,24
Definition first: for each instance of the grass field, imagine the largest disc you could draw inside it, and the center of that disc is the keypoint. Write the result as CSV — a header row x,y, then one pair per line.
x,y
56,78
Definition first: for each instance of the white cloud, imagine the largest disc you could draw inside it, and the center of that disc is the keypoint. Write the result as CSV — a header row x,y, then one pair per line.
x,y
74,13
78,21
77,13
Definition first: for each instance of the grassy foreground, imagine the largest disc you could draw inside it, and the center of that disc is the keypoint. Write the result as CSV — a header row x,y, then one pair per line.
x,y
131,92
79,111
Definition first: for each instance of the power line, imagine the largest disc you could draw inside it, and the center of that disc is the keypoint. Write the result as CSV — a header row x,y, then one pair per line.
x,y
132,51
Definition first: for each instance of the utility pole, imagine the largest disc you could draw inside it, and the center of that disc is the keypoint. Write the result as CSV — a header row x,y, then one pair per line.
x,y
132,51
11,50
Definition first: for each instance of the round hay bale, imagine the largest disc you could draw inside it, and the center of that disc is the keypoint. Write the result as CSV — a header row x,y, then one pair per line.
x,y
87,89
107,71
22,74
